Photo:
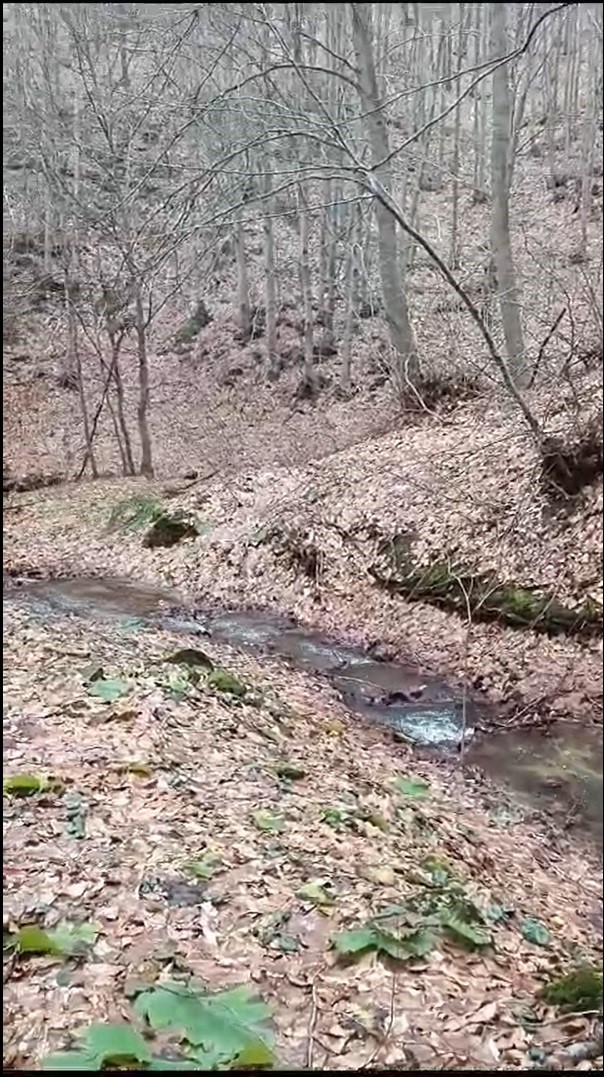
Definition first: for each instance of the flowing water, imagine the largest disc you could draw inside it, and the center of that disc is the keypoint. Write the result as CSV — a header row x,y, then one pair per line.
x,y
560,771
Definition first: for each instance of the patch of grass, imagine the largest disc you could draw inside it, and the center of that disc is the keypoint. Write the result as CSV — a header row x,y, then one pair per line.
x,y
135,513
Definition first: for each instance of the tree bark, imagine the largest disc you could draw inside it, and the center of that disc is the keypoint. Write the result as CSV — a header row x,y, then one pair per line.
x,y
395,303
501,245
146,466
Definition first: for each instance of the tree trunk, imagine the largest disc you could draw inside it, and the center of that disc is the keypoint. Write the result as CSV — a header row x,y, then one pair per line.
x,y
270,278
124,441
146,467
352,276
395,302
454,255
243,292
305,289
501,246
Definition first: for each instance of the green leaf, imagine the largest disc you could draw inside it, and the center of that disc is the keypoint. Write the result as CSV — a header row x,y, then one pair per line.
x,y
536,932
466,934
204,868
69,1060
267,822
414,788
33,939
163,1064
74,939
67,940
316,892
255,1053
189,656
349,943
109,690
498,914
416,943
24,785
107,1043
103,1045
288,944
225,1024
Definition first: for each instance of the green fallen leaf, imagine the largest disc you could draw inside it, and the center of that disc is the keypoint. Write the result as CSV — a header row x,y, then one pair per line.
x,y
226,1024
115,1046
109,690
416,943
536,932
66,940
255,1053
414,788
464,933
498,914
74,939
189,656
267,822
316,892
204,868
32,939
24,785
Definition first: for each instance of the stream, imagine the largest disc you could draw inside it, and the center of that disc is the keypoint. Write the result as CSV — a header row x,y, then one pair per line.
x,y
559,770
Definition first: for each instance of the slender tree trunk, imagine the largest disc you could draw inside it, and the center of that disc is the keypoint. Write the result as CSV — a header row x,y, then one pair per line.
x,y
270,279
75,365
500,223
352,275
306,289
395,302
120,419
243,291
146,466
454,256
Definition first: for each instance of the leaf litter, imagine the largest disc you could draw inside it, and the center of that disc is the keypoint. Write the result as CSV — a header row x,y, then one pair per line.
x,y
354,904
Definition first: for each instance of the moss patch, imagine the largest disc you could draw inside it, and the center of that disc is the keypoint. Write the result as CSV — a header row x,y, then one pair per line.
x,y
223,681
580,989
457,587
170,528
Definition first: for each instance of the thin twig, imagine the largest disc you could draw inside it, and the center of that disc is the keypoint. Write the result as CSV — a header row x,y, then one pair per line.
x,y
314,1013
388,1028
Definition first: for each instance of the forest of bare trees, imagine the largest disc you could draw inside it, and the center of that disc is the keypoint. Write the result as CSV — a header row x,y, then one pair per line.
x,y
352,160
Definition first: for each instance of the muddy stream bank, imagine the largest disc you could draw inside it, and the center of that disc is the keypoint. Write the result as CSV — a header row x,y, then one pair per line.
x,y
559,770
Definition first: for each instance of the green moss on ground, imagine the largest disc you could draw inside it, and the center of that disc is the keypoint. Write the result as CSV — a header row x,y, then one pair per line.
x,y
458,588
577,990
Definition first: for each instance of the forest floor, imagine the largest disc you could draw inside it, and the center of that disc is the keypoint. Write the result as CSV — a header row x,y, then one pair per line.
x,y
462,489
252,839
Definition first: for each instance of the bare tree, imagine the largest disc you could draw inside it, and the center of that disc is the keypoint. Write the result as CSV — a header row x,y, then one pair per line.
x,y
501,244
395,303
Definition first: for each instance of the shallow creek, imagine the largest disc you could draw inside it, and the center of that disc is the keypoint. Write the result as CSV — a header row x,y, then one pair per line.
x,y
560,770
